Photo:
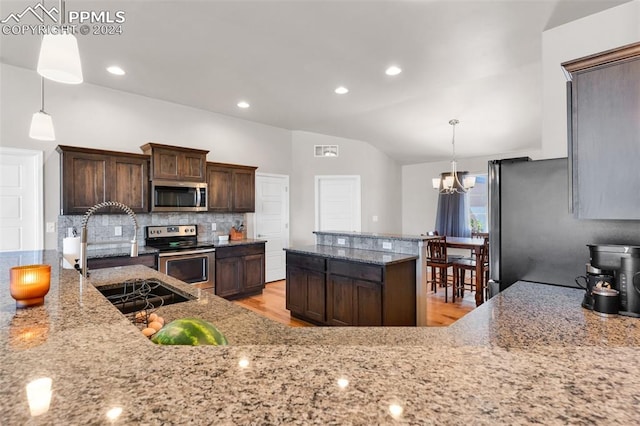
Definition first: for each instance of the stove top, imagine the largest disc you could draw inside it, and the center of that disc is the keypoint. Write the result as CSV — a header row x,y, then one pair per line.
x,y
175,238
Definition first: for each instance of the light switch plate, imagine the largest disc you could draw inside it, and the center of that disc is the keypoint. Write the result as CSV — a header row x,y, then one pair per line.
x,y
118,231
375,218
51,227
213,226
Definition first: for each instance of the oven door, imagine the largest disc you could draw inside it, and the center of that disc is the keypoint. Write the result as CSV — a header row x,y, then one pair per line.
x,y
195,267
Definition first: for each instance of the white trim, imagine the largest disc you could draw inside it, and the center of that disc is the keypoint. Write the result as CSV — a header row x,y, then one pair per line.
x,y
356,179
38,193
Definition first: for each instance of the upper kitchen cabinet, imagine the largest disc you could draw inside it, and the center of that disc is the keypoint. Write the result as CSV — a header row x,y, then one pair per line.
x,y
92,176
604,134
176,163
231,187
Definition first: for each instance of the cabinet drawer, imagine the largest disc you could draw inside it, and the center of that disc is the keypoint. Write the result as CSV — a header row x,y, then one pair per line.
x,y
236,251
355,270
306,261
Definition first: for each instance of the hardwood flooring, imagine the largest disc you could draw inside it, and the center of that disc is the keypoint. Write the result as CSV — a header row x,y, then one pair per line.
x,y
271,304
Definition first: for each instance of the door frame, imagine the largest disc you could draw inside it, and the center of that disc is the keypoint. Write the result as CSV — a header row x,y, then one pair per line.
x,y
38,194
354,178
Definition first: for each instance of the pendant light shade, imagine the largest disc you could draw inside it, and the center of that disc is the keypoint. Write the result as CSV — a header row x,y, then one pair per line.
x,y
60,59
450,183
42,127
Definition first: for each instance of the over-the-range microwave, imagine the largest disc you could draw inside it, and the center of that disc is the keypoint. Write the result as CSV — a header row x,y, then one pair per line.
x,y
174,196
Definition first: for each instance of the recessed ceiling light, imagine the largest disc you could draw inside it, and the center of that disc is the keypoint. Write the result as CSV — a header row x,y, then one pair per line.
x,y
243,104
341,90
393,70
116,70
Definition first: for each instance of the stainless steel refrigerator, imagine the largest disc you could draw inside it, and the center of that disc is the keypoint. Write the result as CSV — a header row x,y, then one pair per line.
x,y
533,234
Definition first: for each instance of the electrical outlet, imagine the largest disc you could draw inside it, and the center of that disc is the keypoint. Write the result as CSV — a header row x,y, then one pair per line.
x,y
387,245
51,227
374,218
118,231
341,241
213,226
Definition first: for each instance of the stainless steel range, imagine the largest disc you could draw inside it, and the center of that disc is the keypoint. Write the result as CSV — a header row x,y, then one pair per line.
x,y
181,255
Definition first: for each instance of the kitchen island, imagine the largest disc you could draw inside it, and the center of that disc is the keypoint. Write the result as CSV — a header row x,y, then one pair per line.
x,y
529,355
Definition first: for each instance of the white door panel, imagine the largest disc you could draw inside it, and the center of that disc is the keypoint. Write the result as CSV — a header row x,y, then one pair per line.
x,y
338,203
21,209
272,221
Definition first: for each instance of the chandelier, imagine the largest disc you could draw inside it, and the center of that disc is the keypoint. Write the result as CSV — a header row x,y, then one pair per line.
x,y
450,183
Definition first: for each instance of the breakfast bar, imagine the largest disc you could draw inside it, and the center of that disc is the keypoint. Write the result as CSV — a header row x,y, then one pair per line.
x,y
528,355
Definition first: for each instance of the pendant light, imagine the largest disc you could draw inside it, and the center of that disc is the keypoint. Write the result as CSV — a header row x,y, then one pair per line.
x,y
41,122
450,183
59,58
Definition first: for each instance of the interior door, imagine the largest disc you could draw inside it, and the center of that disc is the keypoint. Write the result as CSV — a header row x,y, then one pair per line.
x,y
272,222
338,203
21,208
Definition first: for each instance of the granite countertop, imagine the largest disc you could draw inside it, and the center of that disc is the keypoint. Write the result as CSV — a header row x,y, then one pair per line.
x,y
529,355
244,242
118,251
376,235
354,255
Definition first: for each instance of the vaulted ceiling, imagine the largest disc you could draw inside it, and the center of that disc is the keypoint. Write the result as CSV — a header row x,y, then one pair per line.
x,y
478,61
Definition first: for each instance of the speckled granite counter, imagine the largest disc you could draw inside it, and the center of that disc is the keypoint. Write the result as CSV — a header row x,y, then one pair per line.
x,y
354,255
530,355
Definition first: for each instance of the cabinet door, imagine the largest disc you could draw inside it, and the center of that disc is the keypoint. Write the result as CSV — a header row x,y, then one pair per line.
x,y
367,303
315,301
228,276
192,167
244,190
166,164
339,300
253,273
131,183
296,284
84,181
219,187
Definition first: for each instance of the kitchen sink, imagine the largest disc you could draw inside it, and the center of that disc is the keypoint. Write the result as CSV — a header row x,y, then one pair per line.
x,y
142,294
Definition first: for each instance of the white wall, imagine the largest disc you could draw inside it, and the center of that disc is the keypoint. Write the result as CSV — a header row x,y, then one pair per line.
x,y
602,31
380,182
95,117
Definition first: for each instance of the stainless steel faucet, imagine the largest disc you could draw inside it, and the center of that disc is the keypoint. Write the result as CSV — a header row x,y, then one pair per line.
x,y
83,236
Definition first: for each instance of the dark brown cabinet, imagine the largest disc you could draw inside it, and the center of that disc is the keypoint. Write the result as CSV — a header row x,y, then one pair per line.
x,y
306,288
239,270
150,260
176,163
604,129
328,291
91,176
231,188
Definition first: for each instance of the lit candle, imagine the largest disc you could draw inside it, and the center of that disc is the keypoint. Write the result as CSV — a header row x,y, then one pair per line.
x,y
29,284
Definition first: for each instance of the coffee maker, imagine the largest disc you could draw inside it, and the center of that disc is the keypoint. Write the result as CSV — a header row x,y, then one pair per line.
x,y
624,261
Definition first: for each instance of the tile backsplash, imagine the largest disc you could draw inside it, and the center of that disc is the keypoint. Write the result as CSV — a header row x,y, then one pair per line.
x,y
102,226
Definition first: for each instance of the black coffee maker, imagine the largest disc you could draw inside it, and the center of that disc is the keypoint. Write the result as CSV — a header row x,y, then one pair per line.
x,y
624,261
595,278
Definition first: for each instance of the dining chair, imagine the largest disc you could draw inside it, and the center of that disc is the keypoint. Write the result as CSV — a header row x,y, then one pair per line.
x,y
461,266
439,262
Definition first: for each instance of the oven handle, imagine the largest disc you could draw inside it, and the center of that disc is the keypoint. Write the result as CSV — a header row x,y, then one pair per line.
x,y
184,253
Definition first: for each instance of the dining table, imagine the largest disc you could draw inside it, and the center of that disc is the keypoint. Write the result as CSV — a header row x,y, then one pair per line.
x,y
473,244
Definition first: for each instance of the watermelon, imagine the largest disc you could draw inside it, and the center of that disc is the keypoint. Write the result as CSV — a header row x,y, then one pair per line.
x,y
189,331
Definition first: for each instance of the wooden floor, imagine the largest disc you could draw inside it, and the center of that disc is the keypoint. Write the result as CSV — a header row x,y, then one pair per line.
x,y
271,304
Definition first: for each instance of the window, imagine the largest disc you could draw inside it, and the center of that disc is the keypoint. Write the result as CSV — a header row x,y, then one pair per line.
x,y
478,204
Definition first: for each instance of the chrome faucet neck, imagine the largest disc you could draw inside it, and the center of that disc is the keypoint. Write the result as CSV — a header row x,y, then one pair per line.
x,y
85,232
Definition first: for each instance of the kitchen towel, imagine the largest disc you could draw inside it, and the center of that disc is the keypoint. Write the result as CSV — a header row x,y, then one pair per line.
x,y
70,251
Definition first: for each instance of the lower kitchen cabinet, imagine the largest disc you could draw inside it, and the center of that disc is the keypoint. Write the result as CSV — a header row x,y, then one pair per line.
x,y
150,260
327,291
239,270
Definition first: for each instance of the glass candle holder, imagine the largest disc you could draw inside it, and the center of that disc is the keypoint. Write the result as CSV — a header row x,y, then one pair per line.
x,y
29,284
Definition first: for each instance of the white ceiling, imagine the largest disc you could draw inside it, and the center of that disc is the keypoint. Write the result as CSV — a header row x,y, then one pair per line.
x,y
478,61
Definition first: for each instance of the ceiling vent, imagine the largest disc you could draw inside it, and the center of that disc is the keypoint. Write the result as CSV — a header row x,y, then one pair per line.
x,y
325,150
